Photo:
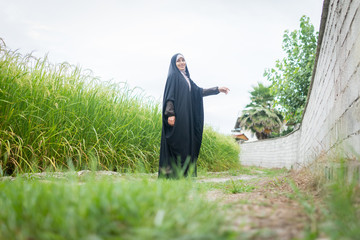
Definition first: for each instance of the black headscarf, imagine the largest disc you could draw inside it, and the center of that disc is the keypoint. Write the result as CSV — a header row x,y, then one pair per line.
x,y
180,144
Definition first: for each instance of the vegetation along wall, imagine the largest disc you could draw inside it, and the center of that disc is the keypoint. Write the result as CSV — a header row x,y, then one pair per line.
x,y
331,120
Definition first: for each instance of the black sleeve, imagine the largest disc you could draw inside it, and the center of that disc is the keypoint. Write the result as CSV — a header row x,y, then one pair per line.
x,y
210,91
169,110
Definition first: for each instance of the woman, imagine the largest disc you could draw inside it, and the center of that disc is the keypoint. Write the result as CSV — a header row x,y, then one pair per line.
x,y
183,120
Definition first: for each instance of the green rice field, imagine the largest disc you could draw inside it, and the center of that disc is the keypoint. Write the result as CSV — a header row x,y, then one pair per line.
x,y
60,117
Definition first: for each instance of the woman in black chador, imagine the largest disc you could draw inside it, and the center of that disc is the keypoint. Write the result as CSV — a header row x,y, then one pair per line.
x,y
182,121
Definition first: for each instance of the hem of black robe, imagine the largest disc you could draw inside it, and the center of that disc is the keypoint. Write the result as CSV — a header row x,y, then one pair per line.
x,y
175,172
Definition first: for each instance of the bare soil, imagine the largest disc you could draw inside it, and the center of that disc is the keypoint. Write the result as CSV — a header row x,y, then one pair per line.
x,y
270,211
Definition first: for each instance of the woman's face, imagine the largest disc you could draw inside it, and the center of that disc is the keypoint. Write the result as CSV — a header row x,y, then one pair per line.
x,y
181,64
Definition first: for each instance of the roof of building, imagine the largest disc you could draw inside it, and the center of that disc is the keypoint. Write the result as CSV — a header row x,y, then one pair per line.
x,y
240,136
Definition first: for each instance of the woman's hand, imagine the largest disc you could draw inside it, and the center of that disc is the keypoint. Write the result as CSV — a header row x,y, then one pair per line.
x,y
171,121
224,90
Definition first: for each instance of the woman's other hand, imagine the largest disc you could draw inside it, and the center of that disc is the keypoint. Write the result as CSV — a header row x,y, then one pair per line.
x,y
171,121
224,90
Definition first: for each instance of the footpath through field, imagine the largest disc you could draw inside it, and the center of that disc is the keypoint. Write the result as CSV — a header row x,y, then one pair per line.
x,y
260,203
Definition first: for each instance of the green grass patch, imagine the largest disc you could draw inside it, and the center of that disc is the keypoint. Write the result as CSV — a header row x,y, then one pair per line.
x,y
230,186
336,215
107,209
245,170
272,172
341,211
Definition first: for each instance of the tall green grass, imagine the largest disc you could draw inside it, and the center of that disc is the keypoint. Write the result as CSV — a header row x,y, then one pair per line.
x,y
107,209
218,152
55,117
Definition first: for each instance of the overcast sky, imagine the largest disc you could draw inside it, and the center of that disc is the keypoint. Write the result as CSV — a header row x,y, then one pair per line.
x,y
225,42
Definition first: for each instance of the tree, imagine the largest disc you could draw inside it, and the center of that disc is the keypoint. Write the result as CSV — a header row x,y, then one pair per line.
x,y
290,79
261,96
260,120
259,116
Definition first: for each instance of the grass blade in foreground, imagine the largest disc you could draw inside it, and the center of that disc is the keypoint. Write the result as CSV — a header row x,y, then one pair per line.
x,y
105,209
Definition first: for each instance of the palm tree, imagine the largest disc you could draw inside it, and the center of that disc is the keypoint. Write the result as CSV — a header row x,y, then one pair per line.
x,y
259,116
260,120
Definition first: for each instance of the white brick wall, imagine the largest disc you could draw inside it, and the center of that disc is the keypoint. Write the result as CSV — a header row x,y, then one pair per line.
x,y
332,116
279,152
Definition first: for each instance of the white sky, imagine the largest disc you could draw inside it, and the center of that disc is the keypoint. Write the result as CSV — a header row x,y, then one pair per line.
x,y
225,42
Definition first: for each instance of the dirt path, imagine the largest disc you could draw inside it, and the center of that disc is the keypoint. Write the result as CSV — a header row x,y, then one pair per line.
x,y
267,212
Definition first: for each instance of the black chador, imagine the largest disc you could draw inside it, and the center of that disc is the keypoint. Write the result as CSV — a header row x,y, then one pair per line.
x,y
180,144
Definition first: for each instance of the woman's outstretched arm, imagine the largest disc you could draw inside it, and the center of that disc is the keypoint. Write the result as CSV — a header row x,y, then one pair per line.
x,y
214,91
